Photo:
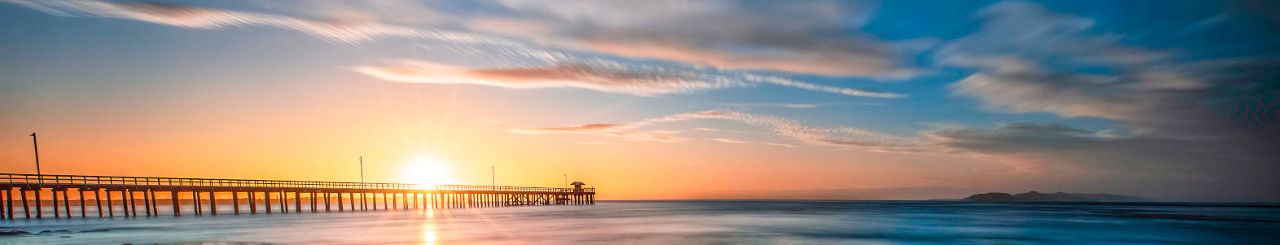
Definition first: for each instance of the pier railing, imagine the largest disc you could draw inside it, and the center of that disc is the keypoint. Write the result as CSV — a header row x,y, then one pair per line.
x,y
87,180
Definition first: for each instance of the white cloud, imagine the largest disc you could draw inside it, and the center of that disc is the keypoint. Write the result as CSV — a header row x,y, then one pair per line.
x,y
730,141
627,78
843,137
728,34
208,18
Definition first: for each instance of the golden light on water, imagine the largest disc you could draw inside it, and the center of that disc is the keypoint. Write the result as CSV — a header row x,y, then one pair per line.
x,y
429,234
427,171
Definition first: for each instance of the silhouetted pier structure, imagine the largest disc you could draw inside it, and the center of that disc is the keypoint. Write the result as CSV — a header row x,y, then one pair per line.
x,y
201,196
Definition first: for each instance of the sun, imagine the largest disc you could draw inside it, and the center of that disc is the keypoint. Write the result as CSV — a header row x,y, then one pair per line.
x,y
427,171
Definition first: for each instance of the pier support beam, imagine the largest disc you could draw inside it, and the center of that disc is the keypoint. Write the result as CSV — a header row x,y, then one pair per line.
x,y
195,203
5,202
266,195
8,192
97,198
284,202
213,203
82,211
146,201
66,203
297,202
39,204
25,210
111,210
253,203
55,203
235,201
131,207
174,201
155,206
313,199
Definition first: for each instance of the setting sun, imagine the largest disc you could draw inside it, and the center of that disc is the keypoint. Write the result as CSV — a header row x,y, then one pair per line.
x,y
427,171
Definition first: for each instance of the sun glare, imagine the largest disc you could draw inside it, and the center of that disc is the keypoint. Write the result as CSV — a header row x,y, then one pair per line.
x,y
427,171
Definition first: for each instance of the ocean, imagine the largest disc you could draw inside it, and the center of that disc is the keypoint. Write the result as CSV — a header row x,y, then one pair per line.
x,y
694,222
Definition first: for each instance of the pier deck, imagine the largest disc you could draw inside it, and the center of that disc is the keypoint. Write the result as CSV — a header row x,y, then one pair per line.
x,y
200,196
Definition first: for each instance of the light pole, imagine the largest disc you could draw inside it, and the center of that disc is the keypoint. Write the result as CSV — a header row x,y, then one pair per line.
x,y
35,146
361,170
493,179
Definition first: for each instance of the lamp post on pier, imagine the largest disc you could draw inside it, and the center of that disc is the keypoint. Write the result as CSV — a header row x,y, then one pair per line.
x,y
35,146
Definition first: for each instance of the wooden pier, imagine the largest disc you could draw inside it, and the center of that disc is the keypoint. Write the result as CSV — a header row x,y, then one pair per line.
x,y
197,196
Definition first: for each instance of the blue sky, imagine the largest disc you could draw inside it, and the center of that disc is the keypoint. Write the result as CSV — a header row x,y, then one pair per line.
x,y
1151,96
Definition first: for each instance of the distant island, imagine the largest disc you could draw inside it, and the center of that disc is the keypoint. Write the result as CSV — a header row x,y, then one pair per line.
x,y
1033,196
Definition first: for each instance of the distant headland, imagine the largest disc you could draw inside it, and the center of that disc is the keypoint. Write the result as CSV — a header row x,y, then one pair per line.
x,y
1033,196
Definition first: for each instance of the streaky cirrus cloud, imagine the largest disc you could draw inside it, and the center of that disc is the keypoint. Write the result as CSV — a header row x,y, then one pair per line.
x,y
559,75
727,34
743,38
798,105
730,141
1188,126
780,145
1025,56
607,77
209,18
525,65
843,137
660,136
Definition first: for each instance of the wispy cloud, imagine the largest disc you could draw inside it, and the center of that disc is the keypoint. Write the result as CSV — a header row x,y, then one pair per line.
x,y
781,145
798,105
1184,122
616,78
656,136
509,62
731,141
1150,92
844,137
729,34
209,18
562,75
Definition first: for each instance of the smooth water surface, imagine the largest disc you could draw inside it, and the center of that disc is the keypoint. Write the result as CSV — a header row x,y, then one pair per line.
x,y
697,222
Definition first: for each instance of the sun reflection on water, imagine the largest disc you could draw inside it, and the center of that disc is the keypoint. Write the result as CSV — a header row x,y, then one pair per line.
x,y
429,234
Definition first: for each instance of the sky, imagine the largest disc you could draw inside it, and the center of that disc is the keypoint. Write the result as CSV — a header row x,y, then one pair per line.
x,y
1169,100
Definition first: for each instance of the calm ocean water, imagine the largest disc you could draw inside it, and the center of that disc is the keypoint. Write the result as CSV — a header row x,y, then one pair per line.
x,y
697,222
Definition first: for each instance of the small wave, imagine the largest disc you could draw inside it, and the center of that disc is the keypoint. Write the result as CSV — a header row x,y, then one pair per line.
x,y
13,233
22,232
